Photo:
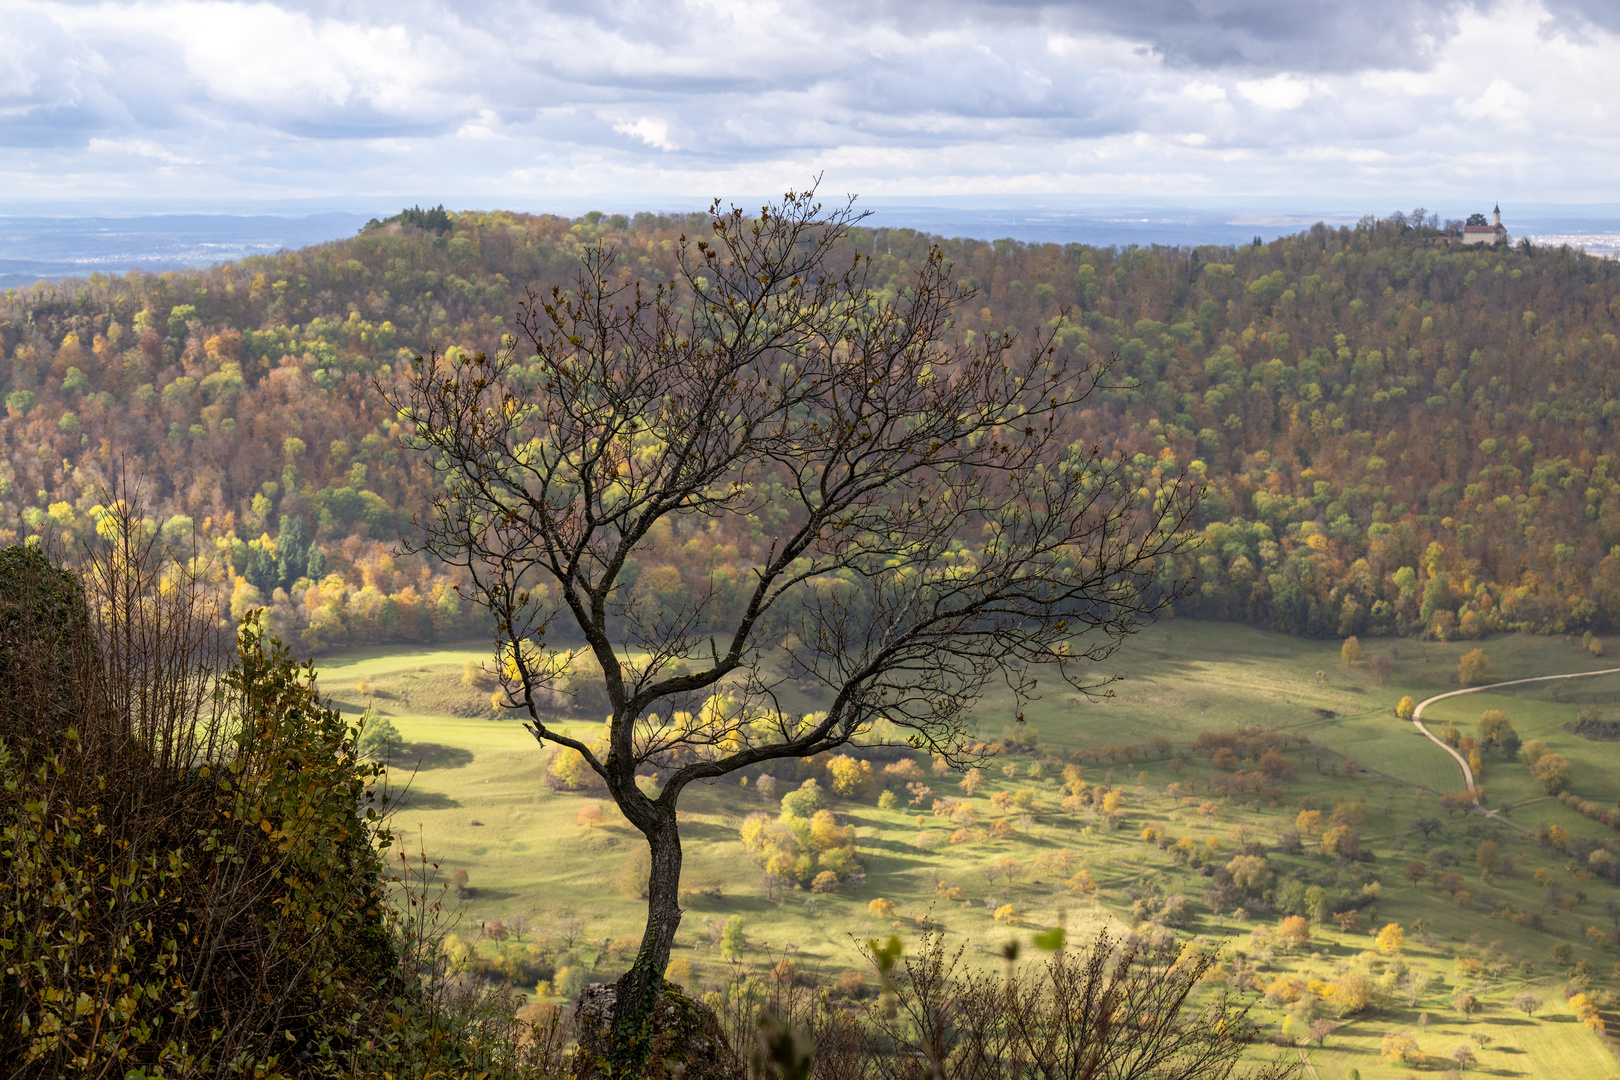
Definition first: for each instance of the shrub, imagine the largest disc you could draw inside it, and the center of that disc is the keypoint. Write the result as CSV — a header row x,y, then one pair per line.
x,y
824,882
1008,913
881,908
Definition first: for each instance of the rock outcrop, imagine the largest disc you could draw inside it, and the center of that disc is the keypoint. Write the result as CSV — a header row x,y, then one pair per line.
x,y
687,1043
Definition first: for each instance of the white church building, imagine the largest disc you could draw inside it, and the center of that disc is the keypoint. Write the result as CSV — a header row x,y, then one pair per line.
x,y
1487,234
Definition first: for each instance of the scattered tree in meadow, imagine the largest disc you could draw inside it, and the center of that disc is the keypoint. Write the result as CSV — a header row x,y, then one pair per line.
x,y
1406,707
1551,771
1474,668
1294,931
733,939
1380,666
851,779
1399,1048
1350,651
766,382
1415,871
1428,826
1496,732
1390,940
631,880
379,738
1251,874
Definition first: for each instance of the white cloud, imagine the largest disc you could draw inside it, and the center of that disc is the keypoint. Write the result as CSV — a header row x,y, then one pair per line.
x,y
144,148
649,130
1280,92
1203,91
1501,103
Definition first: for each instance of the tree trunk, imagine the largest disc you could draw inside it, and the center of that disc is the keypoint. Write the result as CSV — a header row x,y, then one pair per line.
x,y
638,989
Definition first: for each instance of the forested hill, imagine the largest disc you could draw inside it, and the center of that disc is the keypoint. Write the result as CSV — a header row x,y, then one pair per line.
x,y
1398,435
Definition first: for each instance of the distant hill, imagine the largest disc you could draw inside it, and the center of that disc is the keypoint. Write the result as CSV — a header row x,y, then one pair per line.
x,y
1398,435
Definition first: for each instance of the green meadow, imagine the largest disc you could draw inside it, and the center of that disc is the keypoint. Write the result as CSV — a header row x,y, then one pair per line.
x,y
470,790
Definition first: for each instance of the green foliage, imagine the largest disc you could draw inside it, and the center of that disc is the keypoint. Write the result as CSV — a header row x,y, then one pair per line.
x,y
435,220
732,938
803,802
1551,771
379,738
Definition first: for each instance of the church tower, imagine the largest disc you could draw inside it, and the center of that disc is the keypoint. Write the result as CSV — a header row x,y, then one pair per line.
x,y
1491,234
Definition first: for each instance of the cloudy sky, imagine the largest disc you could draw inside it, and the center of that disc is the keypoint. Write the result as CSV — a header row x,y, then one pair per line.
x,y
472,102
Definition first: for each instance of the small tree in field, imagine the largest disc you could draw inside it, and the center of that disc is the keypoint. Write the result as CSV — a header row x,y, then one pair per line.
x,y
845,443
1474,668
1350,651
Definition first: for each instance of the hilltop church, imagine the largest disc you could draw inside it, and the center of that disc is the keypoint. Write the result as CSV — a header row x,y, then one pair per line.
x,y
1487,234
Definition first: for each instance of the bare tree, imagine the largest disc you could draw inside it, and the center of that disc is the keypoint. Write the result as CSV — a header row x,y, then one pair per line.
x,y
773,381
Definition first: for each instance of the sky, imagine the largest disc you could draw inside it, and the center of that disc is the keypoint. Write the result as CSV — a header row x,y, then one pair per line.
x,y
1376,103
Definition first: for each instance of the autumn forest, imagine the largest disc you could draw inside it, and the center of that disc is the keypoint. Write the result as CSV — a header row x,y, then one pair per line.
x,y
1397,435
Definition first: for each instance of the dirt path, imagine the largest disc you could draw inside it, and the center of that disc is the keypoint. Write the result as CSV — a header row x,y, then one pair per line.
x,y
1462,763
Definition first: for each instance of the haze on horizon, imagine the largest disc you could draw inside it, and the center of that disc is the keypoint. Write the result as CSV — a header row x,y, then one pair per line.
x,y
1376,101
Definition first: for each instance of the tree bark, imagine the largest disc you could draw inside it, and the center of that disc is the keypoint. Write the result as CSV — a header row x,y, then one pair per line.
x,y
639,988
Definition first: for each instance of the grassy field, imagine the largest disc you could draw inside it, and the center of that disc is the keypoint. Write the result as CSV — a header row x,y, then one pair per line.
x,y
478,803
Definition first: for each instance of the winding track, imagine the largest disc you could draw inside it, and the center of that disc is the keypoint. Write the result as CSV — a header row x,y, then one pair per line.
x,y
1462,763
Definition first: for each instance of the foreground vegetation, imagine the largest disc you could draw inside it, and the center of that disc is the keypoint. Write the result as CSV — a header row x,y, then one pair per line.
x,y
195,885
550,881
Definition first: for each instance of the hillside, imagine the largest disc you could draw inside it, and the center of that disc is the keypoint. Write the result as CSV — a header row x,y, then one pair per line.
x,y
1324,822
1399,436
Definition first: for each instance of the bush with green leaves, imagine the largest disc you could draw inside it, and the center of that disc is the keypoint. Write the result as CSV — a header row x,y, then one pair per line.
x,y
379,738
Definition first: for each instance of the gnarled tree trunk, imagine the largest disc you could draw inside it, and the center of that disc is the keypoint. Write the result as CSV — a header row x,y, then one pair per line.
x,y
639,988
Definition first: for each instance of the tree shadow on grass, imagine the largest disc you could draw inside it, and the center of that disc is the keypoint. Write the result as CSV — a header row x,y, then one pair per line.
x,y
423,756
423,800
482,892
705,830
